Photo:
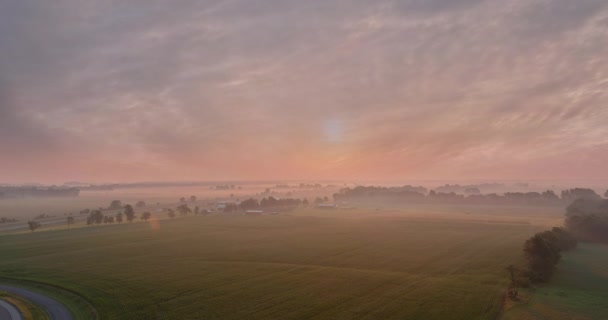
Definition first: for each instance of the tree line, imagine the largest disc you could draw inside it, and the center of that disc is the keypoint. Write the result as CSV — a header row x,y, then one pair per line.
x,y
542,252
34,192
413,194
587,219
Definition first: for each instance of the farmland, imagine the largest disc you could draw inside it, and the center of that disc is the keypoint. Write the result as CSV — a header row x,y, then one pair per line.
x,y
363,264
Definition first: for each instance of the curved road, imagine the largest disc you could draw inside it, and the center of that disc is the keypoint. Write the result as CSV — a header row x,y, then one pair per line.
x,y
54,308
9,312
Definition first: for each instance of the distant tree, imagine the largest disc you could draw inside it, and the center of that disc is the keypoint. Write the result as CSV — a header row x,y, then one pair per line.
x,y
140,204
606,194
249,204
70,221
33,225
192,198
108,219
119,217
318,200
196,210
305,202
182,199
579,193
231,207
183,209
550,195
7,220
129,213
96,217
115,205
326,199
472,190
171,213
146,216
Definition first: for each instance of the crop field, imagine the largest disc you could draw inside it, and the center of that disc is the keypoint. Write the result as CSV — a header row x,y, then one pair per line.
x,y
578,291
387,265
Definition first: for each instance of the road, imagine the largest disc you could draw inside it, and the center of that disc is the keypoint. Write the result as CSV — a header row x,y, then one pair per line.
x,y
54,308
9,312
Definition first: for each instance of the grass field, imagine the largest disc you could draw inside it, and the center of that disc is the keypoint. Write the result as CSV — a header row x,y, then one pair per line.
x,y
377,266
579,290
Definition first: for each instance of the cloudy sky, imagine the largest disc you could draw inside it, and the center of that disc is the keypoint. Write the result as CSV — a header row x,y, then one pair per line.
x,y
132,90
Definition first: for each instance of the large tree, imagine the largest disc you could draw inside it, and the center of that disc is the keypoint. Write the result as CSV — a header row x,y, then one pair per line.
x,y
129,213
115,205
119,217
96,217
146,216
183,209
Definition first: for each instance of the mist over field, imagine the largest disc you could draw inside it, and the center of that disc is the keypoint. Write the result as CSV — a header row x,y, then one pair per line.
x,y
303,159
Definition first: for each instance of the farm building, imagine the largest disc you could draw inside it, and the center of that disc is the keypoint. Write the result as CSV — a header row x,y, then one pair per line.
x,y
327,206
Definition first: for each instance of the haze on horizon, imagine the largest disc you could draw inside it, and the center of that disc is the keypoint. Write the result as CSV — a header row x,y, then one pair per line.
x,y
284,89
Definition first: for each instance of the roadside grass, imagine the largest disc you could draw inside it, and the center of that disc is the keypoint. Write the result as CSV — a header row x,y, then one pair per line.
x,y
29,310
276,267
77,305
578,291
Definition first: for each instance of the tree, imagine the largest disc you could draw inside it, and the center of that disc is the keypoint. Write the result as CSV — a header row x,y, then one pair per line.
x,y
70,221
231,207
115,205
183,209
197,210
579,193
250,204
119,217
140,204
542,253
192,198
146,215
33,225
606,194
96,217
305,202
171,213
516,281
129,213
182,199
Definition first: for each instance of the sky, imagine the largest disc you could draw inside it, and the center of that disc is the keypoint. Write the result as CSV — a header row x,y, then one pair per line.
x,y
152,90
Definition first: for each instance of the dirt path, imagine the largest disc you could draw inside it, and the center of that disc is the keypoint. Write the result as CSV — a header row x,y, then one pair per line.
x,y
55,309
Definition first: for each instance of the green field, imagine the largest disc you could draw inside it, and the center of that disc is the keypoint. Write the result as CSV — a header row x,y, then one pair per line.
x,y
376,266
579,290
